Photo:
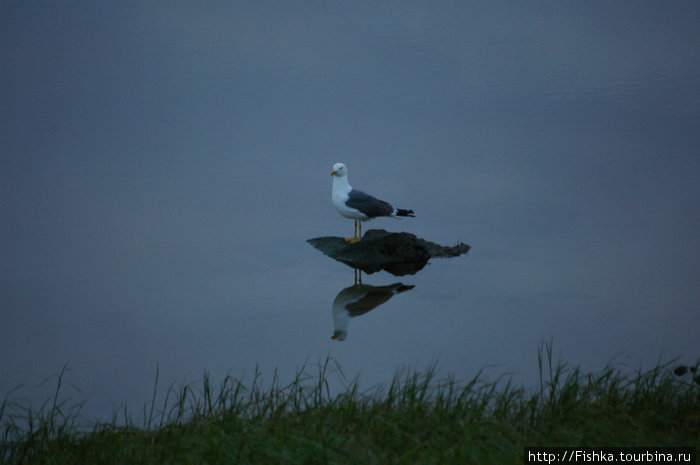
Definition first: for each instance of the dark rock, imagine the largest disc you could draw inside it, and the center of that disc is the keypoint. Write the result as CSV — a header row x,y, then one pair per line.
x,y
397,253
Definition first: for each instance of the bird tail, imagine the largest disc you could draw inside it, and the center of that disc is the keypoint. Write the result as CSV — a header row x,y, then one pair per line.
x,y
402,212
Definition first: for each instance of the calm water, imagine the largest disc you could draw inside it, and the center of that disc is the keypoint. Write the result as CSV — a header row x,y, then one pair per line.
x,y
163,167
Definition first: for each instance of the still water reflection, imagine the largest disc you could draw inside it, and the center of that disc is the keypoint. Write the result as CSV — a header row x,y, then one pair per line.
x,y
359,299
396,253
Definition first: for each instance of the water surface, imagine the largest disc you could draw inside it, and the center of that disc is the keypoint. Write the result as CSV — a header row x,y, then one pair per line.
x,y
164,165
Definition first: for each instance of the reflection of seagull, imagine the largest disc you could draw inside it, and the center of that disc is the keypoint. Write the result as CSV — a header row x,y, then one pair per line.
x,y
357,205
357,300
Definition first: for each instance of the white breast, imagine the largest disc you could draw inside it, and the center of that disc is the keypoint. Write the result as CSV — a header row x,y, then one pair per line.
x,y
339,196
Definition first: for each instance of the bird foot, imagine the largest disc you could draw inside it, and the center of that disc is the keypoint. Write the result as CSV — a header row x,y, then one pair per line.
x,y
353,239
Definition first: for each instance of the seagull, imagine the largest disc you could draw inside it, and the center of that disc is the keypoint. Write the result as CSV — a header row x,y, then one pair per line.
x,y
357,300
355,204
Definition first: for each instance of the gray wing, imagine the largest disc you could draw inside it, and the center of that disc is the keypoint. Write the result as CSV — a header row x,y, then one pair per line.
x,y
368,205
374,297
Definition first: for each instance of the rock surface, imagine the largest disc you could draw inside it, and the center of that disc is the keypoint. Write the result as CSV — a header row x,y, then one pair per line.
x,y
397,253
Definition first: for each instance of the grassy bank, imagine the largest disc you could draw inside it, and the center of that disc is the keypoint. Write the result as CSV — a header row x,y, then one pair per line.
x,y
416,418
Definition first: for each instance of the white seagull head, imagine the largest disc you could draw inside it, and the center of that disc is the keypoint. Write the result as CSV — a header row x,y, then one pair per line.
x,y
339,170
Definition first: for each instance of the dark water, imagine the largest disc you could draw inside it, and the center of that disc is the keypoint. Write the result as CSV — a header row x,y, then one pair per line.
x,y
163,167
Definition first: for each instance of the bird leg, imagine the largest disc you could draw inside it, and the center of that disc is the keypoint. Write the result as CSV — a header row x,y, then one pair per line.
x,y
358,276
355,238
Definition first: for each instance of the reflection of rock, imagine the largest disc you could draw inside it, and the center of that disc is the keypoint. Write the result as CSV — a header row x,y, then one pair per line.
x,y
357,300
397,253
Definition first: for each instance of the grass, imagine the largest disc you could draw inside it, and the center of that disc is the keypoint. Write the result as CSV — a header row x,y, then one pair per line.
x,y
416,418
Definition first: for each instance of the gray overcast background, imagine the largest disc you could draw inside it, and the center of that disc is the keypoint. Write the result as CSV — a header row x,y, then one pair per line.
x,y
163,163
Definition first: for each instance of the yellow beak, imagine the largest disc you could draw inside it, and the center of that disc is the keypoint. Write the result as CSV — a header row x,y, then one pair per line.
x,y
334,172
